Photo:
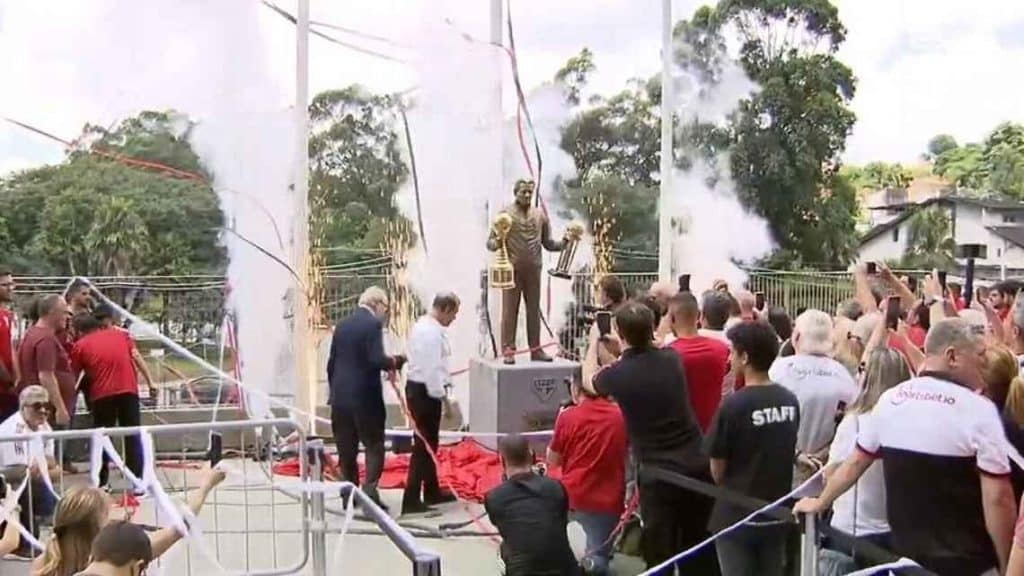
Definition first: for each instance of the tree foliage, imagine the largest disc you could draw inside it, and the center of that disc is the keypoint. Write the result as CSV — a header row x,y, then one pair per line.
x,y
573,75
992,167
614,143
878,176
940,144
930,242
356,169
783,142
92,215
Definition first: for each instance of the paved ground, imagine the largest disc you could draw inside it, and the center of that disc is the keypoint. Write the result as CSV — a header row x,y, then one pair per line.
x,y
250,527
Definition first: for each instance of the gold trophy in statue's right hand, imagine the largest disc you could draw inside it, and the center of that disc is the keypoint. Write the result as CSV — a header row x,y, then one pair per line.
x,y
501,273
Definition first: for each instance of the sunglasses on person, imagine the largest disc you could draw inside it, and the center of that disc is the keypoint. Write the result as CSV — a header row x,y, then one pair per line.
x,y
39,406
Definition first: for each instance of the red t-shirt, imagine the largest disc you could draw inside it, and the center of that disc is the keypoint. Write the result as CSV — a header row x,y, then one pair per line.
x,y
917,335
706,362
7,392
591,438
41,350
106,357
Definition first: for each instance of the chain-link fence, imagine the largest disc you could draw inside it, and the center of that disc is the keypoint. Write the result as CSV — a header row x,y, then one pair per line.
x,y
190,309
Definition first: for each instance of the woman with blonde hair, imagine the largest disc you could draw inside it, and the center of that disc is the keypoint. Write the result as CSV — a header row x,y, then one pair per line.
x,y
80,515
84,511
1000,374
861,511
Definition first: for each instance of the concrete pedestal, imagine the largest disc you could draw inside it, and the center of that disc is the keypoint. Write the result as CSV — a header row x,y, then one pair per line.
x,y
521,397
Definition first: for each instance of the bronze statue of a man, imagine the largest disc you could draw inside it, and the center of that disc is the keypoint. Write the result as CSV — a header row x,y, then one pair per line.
x,y
530,231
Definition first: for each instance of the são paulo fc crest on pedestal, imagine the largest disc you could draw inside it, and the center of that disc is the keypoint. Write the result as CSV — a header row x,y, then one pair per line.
x,y
544,388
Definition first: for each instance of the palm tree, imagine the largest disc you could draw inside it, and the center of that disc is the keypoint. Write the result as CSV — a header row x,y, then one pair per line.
x,y
117,239
930,241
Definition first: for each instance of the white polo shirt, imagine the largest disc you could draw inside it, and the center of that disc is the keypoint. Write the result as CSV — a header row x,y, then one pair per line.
x,y
18,453
936,438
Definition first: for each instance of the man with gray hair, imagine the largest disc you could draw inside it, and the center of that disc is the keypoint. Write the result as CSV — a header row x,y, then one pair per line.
x,y
32,458
45,361
426,391
354,368
823,386
949,500
850,308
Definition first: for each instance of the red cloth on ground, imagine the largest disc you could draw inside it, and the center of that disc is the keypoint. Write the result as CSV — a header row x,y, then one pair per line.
x,y
468,467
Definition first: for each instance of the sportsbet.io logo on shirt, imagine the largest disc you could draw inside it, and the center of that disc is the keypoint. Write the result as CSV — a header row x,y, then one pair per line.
x,y
905,393
773,415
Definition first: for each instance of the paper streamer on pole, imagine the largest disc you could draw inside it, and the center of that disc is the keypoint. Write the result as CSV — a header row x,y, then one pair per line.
x,y
350,512
882,568
8,509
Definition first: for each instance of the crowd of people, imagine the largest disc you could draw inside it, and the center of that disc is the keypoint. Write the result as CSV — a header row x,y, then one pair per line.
x,y
72,347
905,400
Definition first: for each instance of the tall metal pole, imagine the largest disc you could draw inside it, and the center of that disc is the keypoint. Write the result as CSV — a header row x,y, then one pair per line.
x,y
664,212
306,383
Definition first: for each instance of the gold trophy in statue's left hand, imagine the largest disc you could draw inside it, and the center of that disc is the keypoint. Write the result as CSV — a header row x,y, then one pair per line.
x,y
573,235
501,273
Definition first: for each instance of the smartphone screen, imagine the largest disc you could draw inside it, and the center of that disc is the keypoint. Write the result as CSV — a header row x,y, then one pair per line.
x,y
942,280
684,282
872,268
216,448
892,313
912,283
759,300
604,322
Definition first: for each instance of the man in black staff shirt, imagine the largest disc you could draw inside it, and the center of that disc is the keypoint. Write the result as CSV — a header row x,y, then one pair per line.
x,y
751,444
650,387
531,513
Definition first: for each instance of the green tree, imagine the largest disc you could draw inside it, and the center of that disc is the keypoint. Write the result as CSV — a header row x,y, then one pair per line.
x,y
93,215
356,169
786,140
992,167
627,211
930,241
573,75
1004,159
878,176
963,166
940,144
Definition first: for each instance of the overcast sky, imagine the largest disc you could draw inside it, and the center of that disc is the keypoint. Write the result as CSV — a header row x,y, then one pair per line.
x,y
923,66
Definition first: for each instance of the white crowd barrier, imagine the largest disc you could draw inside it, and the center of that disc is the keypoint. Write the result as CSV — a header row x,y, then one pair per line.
x,y
255,523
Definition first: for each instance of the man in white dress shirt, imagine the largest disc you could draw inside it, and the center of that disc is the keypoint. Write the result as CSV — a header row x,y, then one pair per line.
x,y
425,391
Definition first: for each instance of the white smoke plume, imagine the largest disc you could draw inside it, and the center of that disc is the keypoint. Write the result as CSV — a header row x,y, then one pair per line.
x,y
550,112
712,230
455,125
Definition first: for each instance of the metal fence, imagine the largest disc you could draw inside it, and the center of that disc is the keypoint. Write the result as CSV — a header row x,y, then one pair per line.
x,y
255,523
191,309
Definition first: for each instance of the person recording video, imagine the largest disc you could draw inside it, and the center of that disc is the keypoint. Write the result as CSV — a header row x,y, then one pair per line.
x,y
590,446
531,512
650,387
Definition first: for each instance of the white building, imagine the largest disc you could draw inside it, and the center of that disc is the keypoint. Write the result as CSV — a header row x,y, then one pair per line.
x,y
995,223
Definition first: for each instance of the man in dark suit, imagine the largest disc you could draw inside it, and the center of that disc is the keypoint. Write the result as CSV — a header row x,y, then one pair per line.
x,y
357,405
